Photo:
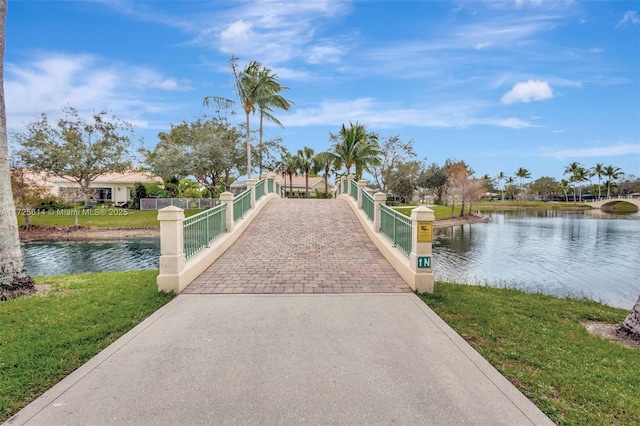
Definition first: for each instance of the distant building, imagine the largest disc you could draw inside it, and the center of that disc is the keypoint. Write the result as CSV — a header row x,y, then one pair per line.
x,y
316,186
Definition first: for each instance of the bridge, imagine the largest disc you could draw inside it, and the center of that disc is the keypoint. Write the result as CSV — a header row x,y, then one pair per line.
x,y
606,204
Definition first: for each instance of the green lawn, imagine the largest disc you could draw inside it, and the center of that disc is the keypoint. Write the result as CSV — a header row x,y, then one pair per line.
x,y
540,345
43,339
99,217
440,212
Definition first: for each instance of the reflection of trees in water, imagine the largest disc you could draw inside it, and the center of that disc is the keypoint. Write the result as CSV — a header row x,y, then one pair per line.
x,y
456,239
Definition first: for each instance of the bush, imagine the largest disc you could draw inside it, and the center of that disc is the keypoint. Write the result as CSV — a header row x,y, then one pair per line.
x,y
53,203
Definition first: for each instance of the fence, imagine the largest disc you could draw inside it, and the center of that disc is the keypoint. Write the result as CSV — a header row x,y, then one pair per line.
x,y
367,204
259,190
200,229
183,203
396,227
241,205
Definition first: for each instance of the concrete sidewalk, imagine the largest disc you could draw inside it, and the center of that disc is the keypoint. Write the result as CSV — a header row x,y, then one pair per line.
x,y
350,359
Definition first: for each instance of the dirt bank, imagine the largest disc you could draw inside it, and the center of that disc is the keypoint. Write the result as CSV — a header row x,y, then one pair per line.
x,y
457,221
46,233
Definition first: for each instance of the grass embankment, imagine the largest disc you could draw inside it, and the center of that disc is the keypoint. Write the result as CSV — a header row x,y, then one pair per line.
x,y
540,345
44,338
98,217
440,212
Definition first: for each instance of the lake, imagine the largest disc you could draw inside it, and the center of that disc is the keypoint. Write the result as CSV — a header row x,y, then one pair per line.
x,y
574,254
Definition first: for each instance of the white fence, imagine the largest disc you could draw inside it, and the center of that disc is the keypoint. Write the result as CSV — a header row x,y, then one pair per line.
x,y
183,203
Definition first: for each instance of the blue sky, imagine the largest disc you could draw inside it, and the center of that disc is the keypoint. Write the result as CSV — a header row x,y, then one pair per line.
x,y
499,84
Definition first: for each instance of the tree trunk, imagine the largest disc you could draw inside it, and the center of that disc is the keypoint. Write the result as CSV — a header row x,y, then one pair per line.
x,y
13,281
306,181
631,325
248,146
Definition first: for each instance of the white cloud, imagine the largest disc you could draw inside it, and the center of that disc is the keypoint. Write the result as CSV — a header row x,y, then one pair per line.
x,y
531,90
86,82
631,17
605,150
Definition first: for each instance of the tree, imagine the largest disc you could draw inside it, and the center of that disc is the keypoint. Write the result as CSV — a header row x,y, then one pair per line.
x,y
254,85
354,146
612,173
207,150
462,186
402,180
572,170
501,177
598,170
509,185
26,192
544,187
434,178
13,280
305,162
522,173
325,161
393,152
631,324
290,166
564,186
76,149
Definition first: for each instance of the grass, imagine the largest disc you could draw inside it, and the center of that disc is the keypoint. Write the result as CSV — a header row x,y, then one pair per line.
x,y
440,212
99,217
539,205
539,344
44,338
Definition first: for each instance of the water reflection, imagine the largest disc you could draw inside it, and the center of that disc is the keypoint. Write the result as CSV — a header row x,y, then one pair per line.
x,y
65,257
561,253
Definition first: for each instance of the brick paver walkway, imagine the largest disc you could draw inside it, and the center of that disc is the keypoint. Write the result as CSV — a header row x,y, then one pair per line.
x,y
301,246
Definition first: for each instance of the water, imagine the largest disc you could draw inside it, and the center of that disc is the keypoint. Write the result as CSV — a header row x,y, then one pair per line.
x,y
66,257
560,253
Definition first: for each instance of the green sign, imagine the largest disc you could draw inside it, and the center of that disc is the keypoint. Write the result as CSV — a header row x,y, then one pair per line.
x,y
424,262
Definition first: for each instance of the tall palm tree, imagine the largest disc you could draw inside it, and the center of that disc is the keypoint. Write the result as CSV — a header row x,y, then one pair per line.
x,y
598,170
305,162
501,176
522,173
252,86
324,161
509,181
354,146
12,278
269,100
571,170
611,173
290,165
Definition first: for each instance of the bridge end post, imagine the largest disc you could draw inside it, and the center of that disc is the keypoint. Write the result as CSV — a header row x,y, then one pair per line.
x,y
251,184
228,197
362,184
378,199
172,259
420,258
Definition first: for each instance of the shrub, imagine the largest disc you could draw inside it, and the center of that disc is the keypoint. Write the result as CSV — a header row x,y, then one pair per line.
x,y
53,203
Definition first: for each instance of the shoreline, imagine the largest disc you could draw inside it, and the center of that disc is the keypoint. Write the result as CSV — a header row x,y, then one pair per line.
x,y
54,233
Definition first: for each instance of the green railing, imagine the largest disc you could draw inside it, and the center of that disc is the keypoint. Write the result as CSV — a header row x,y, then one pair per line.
x,y
278,189
200,229
270,185
345,188
367,204
354,190
241,205
259,189
396,227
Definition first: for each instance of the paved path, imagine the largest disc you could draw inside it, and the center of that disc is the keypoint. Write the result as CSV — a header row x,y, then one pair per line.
x,y
302,246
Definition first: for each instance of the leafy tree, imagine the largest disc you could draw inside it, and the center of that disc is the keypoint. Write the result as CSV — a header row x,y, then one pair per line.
x,y
255,85
434,178
544,187
207,150
305,163
402,180
564,186
269,152
354,146
76,149
12,277
612,174
509,185
393,152
27,194
489,183
139,192
462,186
501,177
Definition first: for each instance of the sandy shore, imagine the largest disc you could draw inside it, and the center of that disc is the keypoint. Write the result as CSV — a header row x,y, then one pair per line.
x,y
47,233
457,221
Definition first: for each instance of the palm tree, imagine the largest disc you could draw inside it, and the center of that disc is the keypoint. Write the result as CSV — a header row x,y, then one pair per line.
x,y
12,278
305,163
580,175
611,173
522,173
509,181
290,165
324,161
253,86
501,176
598,170
572,169
354,146
564,186
269,100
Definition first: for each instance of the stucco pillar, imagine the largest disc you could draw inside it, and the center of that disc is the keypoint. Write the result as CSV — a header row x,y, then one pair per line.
x,y
172,258
362,184
378,199
251,184
420,259
228,197
349,179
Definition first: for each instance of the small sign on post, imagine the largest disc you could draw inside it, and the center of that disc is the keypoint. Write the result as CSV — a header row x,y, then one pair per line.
x,y
424,262
425,231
